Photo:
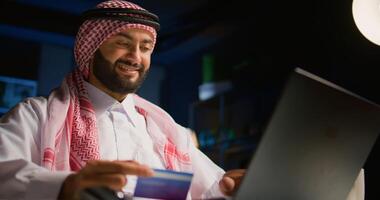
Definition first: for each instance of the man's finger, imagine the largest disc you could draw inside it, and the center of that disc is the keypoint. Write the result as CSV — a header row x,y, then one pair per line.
x,y
113,181
122,167
236,173
227,185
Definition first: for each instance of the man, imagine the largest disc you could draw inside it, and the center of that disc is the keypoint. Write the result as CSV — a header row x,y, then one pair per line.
x,y
93,130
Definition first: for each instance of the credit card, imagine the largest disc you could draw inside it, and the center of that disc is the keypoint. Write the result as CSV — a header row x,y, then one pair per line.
x,y
165,184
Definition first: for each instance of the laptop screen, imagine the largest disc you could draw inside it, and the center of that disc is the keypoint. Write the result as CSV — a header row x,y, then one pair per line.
x,y
315,143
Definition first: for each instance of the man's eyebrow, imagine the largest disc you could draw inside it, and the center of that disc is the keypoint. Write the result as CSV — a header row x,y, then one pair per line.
x,y
145,41
124,35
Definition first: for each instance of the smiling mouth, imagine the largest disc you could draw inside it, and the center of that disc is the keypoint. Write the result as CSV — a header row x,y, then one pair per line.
x,y
128,69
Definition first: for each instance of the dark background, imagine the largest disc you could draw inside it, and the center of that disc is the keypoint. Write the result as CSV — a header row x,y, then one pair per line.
x,y
254,45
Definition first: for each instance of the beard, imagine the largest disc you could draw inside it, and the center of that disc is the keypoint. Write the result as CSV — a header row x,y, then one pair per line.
x,y
105,72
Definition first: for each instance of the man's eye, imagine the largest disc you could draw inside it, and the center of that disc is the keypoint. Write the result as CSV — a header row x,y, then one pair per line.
x,y
126,44
145,49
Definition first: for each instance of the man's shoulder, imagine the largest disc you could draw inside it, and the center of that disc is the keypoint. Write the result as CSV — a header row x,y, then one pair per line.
x,y
31,106
34,104
38,100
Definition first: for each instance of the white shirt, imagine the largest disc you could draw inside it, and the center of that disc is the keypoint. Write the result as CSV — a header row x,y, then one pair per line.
x,y
122,130
122,135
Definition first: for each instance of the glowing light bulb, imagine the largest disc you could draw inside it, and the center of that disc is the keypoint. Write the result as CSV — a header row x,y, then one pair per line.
x,y
366,15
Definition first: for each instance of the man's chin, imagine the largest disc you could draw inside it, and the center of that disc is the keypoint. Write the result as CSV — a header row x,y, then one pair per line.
x,y
129,83
129,78
129,86
122,90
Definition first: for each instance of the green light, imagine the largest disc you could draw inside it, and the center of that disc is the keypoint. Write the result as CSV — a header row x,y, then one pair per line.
x,y
208,68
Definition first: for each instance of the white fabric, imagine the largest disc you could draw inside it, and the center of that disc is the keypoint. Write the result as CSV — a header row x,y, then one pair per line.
x,y
122,131
21,176
123,136
357,191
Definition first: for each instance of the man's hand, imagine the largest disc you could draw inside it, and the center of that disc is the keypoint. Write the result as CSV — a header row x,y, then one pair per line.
x,y
230,182
98,173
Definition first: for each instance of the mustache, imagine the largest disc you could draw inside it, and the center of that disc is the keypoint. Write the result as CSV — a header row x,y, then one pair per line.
x,y
129,64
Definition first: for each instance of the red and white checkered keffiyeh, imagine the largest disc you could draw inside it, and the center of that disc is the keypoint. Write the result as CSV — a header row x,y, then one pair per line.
x,y
69,136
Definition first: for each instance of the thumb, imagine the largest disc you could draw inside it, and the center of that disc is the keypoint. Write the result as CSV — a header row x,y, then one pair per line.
x,y
227,185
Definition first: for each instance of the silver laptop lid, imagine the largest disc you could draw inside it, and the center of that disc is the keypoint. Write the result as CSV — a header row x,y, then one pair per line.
x,y
315,144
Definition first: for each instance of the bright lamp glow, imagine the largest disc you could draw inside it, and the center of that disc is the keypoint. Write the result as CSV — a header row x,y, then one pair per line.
x,y
367,18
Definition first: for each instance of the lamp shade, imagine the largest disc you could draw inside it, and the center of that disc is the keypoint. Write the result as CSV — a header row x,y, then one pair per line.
x,y
366,15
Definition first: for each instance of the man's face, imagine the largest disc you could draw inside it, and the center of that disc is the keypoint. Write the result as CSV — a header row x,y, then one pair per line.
x,y
122,62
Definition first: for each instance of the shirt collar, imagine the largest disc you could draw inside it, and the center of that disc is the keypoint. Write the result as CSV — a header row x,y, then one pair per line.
x,y
102,102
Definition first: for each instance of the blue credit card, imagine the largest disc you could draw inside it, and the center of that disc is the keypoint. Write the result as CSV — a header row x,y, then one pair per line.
x,y
165,184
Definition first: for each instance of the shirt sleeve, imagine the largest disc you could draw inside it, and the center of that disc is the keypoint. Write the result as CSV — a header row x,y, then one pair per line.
x,y
21,176
205,183
357,191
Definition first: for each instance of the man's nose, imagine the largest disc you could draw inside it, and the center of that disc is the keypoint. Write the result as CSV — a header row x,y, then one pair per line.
x,y
134,54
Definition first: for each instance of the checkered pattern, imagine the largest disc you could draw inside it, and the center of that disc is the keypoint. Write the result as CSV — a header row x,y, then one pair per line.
x,y
70,140
93,33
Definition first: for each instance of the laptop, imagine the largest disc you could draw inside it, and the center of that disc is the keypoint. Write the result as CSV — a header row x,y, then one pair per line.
x,y
315,144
